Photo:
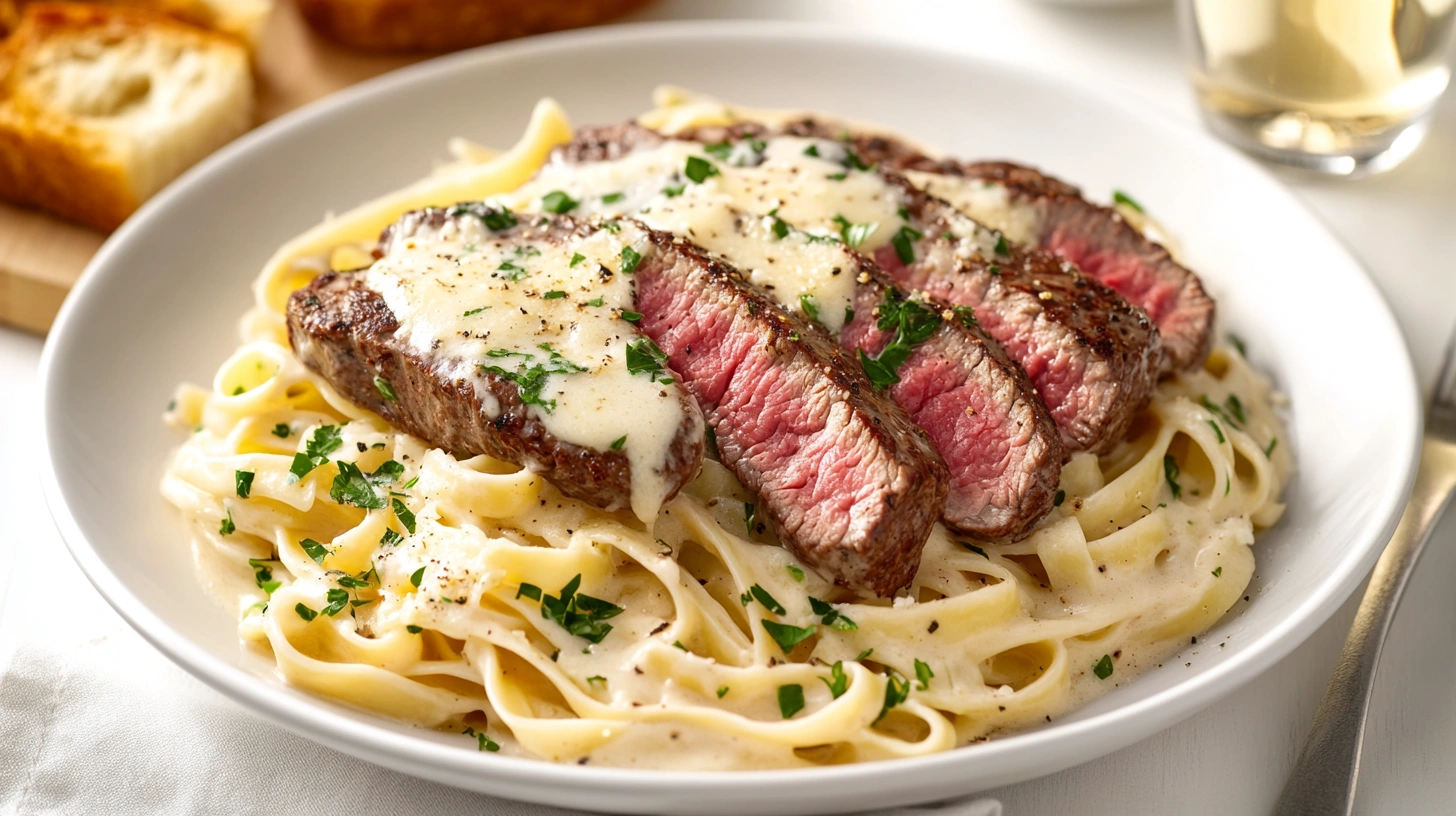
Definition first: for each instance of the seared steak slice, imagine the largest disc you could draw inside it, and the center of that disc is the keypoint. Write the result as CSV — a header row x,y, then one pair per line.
x,y
852,486
345,331
1032,207
1092,356
999,442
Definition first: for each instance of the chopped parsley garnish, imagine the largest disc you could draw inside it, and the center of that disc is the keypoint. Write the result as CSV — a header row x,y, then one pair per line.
x,y
1103,669
597,678
841,176
243,483
1001,248
1170,471
699,169
630,316
1269,451
416,577
263,575
314,550
1119,197
613,227
581,615
338,599
854,234
769,602
512,272
630,259
719,150
387,473
812,150
862,655
475,311
796,573
809,307
1218,572
1215,409
837,681
923,674
913,324
554,294
596,301
226,526
558,202
1217,430
787,636
384,388
530,376
722,692
712,437
973,548
791,699
1238,343
848,315
748,512
494,218
529,591
485,742
780,228
352,487
619,442
904,243
238,390
404,515
412,629
1236,407
673,190
854,162
644,357
353,583
316,450
1061,497
897,691
678,644
613,198
304,611
576,258
282,431
829,616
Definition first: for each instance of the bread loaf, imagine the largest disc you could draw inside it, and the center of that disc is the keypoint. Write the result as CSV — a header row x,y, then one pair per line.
x,y
101,106
243,19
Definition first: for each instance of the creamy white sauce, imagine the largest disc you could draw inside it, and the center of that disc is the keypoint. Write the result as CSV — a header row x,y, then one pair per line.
x,y
986,201
462,295
772,213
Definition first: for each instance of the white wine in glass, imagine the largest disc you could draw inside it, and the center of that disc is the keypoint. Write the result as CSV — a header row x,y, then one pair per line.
x,y
1339,86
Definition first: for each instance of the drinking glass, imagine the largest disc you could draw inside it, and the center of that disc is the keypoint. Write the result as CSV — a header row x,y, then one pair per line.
x,y
1339,86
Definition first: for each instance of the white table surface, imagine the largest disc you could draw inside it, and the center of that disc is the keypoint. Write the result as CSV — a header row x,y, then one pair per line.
x,y
1231,758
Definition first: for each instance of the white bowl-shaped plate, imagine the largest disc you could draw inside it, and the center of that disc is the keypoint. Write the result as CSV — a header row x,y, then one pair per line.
x,y
159,303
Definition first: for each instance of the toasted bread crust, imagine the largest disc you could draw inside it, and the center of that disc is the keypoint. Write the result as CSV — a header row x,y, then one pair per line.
x,y
59,161
443,25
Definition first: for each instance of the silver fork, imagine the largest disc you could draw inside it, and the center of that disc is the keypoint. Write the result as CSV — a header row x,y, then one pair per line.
x,y
1323,781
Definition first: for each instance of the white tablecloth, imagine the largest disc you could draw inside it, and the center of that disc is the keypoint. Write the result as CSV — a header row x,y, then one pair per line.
x,y
92,720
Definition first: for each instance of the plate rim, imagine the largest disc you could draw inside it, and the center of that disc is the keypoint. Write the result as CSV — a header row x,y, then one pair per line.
x,y
316,718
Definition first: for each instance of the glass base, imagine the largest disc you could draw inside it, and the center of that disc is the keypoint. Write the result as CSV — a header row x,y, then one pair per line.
x,y
1294,138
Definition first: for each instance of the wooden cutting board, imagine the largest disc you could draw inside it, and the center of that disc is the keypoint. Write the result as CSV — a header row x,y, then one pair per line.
x,y
41,256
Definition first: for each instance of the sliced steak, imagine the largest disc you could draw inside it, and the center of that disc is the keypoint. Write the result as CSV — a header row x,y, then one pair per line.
x,y
997,438
999,442
1032,207
1092,356
852,486
346,332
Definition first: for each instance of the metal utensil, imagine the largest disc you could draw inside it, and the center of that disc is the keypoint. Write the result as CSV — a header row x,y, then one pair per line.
x,y
1323,781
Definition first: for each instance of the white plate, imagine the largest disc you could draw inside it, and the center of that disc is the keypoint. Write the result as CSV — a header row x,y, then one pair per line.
x,y
159,304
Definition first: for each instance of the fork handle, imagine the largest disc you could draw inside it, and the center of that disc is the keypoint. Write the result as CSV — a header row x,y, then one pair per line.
x,y
1323,780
